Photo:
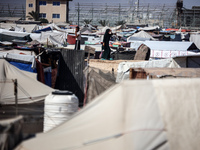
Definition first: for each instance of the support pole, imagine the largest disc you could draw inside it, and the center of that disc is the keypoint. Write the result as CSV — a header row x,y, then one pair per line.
x,y
16,100
78,13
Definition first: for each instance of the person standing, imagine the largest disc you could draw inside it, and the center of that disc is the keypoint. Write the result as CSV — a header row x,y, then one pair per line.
x,y
106,47
78,38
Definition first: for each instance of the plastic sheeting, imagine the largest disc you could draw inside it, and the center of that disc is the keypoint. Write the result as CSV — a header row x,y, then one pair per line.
x,y
70,72
29,89
11,133
23,66
98,81
133,115
196,39
123,68
19,58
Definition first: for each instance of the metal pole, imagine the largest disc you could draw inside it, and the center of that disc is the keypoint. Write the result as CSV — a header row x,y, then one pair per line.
x,y
78,13
119,12
67,11
92,12
16,100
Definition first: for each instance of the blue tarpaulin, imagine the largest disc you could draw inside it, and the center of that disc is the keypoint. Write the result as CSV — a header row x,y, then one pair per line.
x,y
44,29
23,66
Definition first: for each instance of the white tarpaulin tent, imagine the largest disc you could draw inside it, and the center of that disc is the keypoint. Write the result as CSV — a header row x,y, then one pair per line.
x,y
123,67
142,34
169,49
133,115
19,27
29,89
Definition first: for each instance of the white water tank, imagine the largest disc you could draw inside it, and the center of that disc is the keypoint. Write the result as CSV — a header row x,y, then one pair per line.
x,y
59,106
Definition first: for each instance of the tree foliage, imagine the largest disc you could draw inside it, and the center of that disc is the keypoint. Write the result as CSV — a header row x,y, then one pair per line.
x,y
103,22
87,21
33,16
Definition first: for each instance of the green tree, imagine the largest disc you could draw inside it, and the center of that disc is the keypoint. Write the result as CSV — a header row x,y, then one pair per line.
x,y
122,22
33,16
43,20
87,21
103,22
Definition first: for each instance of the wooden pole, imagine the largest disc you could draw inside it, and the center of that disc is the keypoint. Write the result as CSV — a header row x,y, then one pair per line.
x,y
16,100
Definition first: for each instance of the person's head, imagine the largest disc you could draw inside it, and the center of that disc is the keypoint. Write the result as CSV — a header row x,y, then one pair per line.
x,y
77,28
108,31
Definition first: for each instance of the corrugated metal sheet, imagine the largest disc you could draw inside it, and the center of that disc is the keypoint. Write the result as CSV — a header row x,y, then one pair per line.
x,y
70,72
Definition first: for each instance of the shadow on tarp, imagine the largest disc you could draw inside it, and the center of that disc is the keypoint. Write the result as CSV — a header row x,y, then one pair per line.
x,y
70,73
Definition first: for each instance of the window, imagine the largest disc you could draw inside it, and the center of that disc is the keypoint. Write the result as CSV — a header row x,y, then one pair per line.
x,y
55,15
43,15
30,5
42,2
56,3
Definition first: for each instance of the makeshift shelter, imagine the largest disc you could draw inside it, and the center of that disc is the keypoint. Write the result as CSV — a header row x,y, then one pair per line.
x,y
29,89
97,81
190,61
196,39
123,67
143,35
166,49
23,62
124,118
70,72
6,35
153,73
19,27
149,28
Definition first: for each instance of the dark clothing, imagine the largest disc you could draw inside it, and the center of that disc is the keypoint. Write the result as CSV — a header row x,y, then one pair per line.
x,y
106,47
77,45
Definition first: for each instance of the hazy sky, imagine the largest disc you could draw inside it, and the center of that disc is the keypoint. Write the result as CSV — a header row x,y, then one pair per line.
x,y
186,3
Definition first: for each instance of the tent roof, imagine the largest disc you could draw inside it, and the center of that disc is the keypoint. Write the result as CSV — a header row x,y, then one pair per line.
x,y
143,34
123,117
29,89
168,45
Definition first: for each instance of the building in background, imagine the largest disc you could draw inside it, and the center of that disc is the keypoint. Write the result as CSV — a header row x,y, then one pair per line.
x,y
191,17
52,10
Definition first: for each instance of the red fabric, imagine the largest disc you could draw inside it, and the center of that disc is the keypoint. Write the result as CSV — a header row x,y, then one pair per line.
x,y
71,39
53,77
40,72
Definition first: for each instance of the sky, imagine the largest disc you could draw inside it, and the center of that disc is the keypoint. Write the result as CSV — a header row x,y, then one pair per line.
x,y
186,3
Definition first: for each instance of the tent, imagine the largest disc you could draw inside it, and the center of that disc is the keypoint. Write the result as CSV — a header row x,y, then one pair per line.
x,y
168,49
23,62
123,67
142,35
196,39
19,27
29,89
6,35
133,115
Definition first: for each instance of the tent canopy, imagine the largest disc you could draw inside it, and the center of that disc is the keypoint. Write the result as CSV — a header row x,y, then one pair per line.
x,y
29,89
123,117
170,46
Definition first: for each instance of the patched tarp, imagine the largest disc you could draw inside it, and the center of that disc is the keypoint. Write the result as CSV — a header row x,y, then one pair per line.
x,y
123,67
97,81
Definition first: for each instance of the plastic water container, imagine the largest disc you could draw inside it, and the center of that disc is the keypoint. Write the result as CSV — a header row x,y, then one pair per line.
x,y
59,106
